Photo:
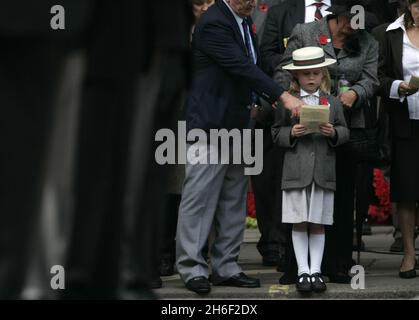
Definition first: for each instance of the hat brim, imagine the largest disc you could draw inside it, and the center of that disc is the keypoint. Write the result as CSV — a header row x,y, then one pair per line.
x,y
339,10
327,62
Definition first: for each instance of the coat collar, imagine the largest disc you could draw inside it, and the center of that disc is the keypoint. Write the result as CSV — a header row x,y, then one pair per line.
x,y
395,41
321,94
303,93
398,24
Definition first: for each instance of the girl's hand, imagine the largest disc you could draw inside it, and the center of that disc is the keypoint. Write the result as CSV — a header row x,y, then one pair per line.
x,y
298,131
327,130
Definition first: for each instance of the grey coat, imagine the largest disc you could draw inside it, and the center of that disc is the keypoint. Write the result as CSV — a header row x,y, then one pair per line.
x,y
311,157
360,70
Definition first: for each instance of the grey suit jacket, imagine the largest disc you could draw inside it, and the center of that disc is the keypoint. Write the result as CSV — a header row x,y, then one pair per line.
x,y
360,70
311,157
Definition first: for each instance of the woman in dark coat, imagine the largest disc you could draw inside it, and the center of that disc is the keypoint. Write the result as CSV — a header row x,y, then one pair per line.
x,y
399,52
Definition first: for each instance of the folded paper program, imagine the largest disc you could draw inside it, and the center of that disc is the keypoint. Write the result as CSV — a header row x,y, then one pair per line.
x,y
312,116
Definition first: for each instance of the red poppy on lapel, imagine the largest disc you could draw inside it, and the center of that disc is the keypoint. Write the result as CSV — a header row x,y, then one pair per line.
x,y
324,101
254,28
263,7
324,40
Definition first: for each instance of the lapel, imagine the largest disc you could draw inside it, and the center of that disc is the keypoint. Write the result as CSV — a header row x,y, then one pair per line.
x,y
300,12
324,31
237,33
395,40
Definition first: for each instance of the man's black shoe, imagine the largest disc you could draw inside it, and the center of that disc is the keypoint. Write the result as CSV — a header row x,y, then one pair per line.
x,y
240,280
199,285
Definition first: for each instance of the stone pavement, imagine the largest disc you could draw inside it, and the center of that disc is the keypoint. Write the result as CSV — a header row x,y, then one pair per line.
x,y
381,276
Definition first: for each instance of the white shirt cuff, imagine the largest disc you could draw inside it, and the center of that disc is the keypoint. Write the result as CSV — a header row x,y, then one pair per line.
x,y
394,91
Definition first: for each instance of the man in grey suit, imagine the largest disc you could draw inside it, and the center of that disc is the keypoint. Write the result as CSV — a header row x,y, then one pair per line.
x,y
225,83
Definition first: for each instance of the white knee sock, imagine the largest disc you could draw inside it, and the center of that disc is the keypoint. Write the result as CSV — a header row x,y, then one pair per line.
x,y
316,252
300,242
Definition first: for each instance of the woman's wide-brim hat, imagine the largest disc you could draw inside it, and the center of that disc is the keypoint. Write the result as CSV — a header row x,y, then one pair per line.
x,y
308,58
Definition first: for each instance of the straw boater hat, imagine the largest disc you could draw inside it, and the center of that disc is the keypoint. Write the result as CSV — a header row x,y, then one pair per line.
x,y
308,58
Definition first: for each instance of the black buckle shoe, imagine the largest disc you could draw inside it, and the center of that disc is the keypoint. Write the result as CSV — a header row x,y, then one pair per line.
x,y
317,282
303,283
199,285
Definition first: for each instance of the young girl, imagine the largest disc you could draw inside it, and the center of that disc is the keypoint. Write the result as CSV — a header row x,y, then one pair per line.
x,y
308,180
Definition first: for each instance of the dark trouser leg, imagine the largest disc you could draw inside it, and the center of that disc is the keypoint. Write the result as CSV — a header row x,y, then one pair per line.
x,y
169,233
339,236
268,206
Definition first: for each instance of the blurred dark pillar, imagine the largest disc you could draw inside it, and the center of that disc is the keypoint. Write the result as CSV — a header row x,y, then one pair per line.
x,y
32,56
136,70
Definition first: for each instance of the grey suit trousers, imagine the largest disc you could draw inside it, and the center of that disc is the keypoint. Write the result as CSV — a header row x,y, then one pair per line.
x,y
212,194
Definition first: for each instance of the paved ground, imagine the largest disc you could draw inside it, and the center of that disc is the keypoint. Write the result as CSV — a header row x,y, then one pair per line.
x,y
381,276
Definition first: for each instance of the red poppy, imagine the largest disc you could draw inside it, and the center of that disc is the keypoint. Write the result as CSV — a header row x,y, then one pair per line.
x,y
324,40
263,7
324,101
251,206
254,28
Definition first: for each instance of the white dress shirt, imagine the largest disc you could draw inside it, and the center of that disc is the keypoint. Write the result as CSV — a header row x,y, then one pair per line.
x,y
239,21
410,67
311,9
311,99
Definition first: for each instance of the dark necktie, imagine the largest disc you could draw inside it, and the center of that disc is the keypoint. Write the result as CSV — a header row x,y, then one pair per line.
x,y
247,41
318,15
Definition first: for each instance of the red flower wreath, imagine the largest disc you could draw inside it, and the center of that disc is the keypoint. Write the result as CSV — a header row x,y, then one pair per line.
x,y
382,210
251,207
251,221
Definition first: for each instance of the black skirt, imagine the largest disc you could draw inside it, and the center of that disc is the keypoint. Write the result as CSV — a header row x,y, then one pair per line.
x,y
405,167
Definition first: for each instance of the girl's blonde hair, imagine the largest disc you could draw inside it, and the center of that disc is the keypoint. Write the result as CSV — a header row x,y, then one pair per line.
x,y
325,86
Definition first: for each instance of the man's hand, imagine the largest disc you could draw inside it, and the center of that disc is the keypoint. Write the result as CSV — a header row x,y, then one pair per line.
x,y
348,98
406,90
291,103
327,130
298,130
